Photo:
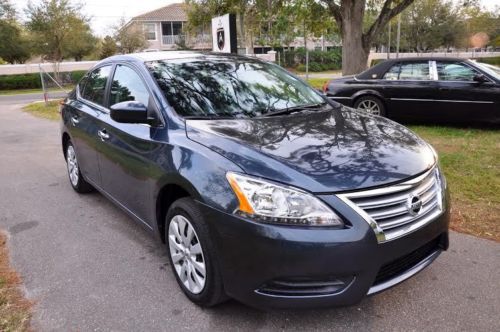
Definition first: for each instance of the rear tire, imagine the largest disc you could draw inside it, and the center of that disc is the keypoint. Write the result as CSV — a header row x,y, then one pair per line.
x,y
76,179
192,254
371,105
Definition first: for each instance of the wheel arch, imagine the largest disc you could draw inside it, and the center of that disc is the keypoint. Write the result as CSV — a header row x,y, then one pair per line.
x,y
370,93
169,191
64,140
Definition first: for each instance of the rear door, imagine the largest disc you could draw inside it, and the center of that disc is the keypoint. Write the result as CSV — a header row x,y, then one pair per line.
x,y
410,88
461,98
83,120
126,167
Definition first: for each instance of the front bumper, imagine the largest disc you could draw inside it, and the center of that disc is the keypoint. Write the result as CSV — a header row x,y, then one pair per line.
x,y
270,266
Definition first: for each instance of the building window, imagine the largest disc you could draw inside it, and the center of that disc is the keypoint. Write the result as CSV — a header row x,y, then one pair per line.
x,y
150,31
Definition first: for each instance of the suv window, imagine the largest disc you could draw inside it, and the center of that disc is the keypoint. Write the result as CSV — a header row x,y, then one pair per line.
x,y
453,71
127,85
95,85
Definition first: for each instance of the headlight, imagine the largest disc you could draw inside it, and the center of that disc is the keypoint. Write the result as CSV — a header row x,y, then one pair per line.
x,y
272,203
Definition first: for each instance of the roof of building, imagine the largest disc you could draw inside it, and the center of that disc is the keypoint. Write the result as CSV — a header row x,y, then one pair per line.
x,y
174,12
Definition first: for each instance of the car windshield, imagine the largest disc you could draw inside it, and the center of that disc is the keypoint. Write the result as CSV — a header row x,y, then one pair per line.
x,y
490,69
230,87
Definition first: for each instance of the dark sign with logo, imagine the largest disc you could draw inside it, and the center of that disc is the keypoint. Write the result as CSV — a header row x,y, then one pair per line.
x,y
224,34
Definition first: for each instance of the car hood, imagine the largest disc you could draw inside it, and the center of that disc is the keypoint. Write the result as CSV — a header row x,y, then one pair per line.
x,y
319,151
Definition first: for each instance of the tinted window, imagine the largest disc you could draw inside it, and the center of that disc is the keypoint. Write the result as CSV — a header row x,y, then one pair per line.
x,y
452,71
392,73
415,71
95,84
229,86
127,86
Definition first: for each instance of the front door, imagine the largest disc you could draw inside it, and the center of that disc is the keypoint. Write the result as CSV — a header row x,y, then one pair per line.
x,y
461,98
125,153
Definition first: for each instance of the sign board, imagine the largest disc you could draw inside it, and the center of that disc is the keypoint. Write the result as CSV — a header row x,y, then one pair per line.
x,y
224,34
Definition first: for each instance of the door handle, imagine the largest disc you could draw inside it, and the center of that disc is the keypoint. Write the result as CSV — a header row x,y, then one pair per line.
x,y
103,134
74,120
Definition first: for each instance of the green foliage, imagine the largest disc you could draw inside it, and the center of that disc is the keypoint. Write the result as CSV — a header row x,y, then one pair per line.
x,y
84,42
129,38
32,81
318,60
54,25
108,47
495,61
376,62
14,45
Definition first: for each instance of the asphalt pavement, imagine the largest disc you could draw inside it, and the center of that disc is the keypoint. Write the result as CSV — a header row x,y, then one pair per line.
x,y
26,98
88,266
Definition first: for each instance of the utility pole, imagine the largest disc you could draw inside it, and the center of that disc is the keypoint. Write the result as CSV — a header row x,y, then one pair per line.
x,y
389,43
398,37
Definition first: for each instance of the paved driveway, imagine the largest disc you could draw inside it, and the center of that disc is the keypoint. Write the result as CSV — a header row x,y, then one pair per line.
x,y
89,267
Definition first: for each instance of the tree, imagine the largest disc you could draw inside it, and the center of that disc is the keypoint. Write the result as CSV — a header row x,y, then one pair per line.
x,y
14,47
108,47
85,41
53,24
129,37
356,43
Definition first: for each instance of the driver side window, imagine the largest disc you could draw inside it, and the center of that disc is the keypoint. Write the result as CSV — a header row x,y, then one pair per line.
x,y
127,85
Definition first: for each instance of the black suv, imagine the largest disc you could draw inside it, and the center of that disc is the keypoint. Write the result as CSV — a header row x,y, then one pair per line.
x,y
261,188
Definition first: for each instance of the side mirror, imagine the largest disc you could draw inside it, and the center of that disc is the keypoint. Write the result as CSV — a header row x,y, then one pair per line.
x,y
130,112
480,78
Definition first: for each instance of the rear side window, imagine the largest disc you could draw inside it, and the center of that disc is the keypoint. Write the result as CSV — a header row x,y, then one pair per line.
x,y
128,86
413,71
452,71
95,85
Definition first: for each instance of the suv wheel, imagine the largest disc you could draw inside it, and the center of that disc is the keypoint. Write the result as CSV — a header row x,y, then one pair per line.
x,y
75,175
191,254
371,105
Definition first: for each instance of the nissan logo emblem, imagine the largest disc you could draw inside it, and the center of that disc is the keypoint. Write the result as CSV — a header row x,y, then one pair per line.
x,y
414,205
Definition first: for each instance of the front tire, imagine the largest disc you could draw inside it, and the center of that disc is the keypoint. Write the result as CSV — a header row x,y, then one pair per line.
x,y
371,105
191,254
76,179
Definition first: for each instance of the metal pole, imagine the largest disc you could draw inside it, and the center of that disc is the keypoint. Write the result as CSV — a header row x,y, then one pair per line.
x,y
307,63
398,36
43,84
389,43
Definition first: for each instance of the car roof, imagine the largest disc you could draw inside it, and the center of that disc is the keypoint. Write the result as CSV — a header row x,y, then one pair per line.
x,y
379,69
168,55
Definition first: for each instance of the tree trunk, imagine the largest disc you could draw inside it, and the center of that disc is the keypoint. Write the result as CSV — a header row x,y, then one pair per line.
x,y
354,49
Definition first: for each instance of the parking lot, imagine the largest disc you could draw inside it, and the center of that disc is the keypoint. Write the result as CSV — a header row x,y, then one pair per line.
x,y
87,266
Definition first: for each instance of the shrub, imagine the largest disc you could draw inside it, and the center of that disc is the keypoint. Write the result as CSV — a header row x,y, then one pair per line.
x,y
495,61
318,60
376,62
32,81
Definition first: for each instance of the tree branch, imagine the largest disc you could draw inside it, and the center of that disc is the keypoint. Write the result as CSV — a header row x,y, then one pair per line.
x,y
386,14
334,9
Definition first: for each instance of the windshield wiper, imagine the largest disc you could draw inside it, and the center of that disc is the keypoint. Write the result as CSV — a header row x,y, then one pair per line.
x,y
294,109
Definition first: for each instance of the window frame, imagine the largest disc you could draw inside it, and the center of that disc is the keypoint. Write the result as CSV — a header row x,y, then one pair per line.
x,y
153,105
80,97
463,63
145,31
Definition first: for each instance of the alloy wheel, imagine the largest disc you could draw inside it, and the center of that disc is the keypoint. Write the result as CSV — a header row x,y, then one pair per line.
x,y
187,254
72,164
369,106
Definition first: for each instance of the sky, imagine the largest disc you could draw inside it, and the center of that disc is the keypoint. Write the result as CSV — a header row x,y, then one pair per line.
x,y
106,13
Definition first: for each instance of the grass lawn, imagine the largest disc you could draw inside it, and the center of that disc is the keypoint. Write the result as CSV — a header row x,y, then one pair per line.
x,y
470,159
318,83
51,111
15,310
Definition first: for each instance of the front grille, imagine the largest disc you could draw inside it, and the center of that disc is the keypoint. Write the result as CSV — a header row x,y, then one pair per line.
x,y
399,209
403,264
301,287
